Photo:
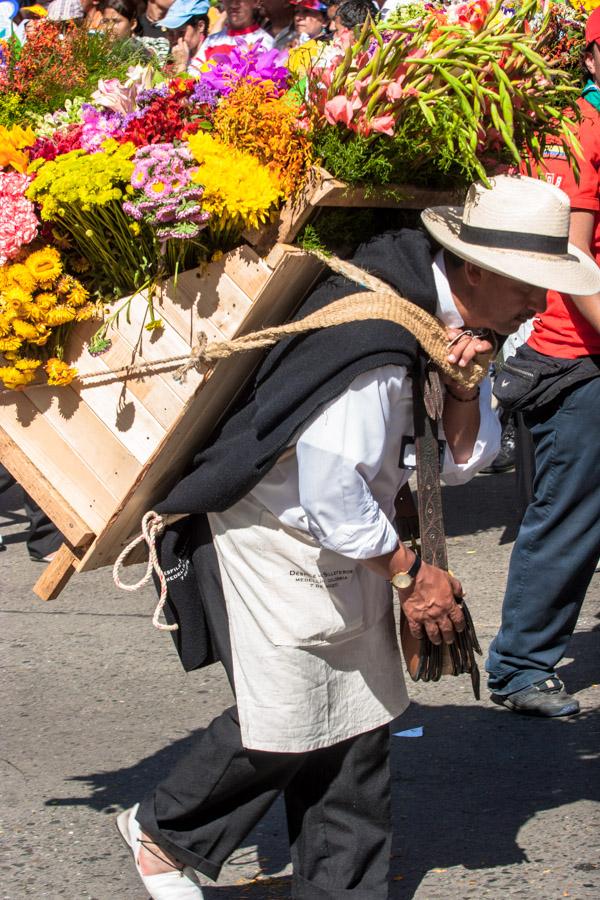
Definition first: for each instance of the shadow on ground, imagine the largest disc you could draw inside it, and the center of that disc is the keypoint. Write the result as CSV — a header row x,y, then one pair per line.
x,y
462,792
487,501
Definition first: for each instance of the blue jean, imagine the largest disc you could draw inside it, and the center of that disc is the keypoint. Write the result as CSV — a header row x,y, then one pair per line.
x,y
558,544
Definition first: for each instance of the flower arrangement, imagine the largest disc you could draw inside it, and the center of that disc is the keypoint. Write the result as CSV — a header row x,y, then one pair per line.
x,y
460,88
239,192
37,299
18,222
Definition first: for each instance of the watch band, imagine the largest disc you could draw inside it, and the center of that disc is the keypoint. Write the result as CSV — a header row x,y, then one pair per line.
x,y
414,569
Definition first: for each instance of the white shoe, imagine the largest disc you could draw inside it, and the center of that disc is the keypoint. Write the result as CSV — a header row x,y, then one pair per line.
x,y
180,884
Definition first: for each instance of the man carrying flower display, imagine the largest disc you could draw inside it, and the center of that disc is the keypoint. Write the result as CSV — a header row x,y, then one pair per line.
x,y
284,552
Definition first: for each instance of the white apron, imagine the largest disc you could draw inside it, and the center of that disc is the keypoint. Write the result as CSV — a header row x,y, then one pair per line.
x,y
315,654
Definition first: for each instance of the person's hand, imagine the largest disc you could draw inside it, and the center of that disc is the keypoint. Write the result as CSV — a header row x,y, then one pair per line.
x,y
180,52
464,345
430,606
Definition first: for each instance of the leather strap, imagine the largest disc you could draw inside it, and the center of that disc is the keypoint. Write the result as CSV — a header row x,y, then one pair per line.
x,y
427,413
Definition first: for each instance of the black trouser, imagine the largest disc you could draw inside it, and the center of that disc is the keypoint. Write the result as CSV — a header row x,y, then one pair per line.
x,y
43,536
337,799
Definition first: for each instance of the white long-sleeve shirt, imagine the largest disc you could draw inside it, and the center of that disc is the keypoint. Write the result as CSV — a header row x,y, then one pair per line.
x,y
357,451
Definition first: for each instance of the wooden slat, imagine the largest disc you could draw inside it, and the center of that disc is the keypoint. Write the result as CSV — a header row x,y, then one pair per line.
x,y
44,492
50,455
87,436
56,574
190,301
113,403
323,190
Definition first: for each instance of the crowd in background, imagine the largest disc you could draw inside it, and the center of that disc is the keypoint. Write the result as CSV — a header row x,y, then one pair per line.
x,y
183,34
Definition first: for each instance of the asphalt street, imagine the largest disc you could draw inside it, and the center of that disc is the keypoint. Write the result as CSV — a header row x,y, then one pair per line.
x,y
95,708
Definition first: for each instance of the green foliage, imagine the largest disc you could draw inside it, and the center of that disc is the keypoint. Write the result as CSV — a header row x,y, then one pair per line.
x,y
353,158
11,109
340,230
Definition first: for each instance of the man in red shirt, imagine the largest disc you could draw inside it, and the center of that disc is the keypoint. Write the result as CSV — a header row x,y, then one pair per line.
x,y
558,544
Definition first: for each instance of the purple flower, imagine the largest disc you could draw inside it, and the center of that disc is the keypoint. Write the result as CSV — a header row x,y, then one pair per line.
x,y
139,177
144,98
98,125
204,94
245,62
132,210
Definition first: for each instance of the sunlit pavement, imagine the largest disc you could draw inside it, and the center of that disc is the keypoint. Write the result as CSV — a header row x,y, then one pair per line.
x,y
95,708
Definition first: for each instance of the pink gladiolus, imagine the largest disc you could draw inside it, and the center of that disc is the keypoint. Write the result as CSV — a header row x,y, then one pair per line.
x,y
395,90
383,124
339,109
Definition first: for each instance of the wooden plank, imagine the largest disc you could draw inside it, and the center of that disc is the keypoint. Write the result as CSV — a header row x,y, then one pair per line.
x,y
80,486
190,301
56,574
132,344
294,274
323,190
113,403
386,196
44,492
87,436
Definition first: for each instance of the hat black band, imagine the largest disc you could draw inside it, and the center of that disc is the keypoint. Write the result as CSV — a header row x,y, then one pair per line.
x,y
514,240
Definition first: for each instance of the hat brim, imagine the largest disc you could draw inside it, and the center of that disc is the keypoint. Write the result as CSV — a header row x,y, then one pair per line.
x,y
570,273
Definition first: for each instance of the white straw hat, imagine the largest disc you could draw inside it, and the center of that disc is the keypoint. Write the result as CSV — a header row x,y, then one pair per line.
x,y
519,228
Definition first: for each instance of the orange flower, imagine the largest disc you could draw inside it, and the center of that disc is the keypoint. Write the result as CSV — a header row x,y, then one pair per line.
x,y
12,144
253,119
59,373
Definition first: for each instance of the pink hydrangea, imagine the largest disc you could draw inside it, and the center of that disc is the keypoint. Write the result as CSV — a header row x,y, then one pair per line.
x,y
18,221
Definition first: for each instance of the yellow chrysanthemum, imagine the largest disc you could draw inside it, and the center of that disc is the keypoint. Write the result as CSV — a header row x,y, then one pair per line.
x,y
14,379
238,190
24,330
28,365
59,373
42,336
15,298
10,343
60,315
46,300
45,265
18,275
86,312
78,295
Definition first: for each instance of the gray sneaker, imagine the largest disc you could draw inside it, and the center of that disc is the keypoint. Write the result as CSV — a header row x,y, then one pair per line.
x,y
546,698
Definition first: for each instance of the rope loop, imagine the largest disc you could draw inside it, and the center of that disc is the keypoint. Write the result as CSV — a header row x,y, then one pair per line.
x,y
152,526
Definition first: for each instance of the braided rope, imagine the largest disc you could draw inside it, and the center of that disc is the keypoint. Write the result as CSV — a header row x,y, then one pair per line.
x,y
428,330
152,526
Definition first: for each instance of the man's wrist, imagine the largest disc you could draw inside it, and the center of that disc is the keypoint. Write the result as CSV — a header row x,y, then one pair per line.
x,y
403,576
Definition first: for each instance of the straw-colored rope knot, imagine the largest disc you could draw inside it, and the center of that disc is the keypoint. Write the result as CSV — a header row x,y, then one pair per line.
x,y
152,526
195,359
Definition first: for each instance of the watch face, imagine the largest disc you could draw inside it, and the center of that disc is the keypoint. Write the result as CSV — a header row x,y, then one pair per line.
x,y
402,580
